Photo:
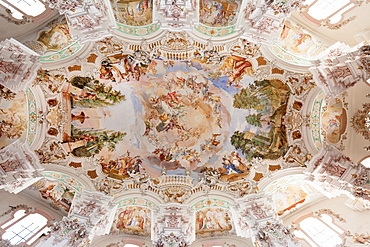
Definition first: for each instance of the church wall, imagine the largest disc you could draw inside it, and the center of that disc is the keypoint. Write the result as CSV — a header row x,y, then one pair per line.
x,y
230,240
120,240
354,146
28,198
104,241
355,221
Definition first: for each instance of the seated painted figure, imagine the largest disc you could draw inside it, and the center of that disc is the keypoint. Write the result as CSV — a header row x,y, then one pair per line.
x,y
230,167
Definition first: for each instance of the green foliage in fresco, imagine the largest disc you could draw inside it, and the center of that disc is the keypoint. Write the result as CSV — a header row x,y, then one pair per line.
x,y
96,93
254,119
95,141
268,98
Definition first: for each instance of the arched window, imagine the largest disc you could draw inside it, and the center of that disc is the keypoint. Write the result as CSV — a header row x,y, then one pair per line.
x,y
331,11
35,10
21,7
319,230
25,227
366,162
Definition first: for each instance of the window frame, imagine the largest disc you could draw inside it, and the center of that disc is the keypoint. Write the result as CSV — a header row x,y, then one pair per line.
x,y
38,18
297,221
49,217
363,159
307,17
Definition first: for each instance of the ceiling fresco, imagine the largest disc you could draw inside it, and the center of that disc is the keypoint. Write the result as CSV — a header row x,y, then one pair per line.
x,y
134,113
212,220
289,192
133,13
334,120
213,217
295,40
54,37
13,115
130,113
134,216
59,195
219,13
328,120
57,37
133,220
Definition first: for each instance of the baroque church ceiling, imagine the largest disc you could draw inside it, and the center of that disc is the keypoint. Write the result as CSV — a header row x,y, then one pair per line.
x,y
183,99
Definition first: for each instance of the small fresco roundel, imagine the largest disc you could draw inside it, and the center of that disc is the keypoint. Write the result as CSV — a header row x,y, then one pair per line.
x,y
334,121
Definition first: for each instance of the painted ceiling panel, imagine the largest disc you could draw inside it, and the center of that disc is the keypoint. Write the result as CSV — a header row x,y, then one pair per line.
x,y
134,13
219,13
141,114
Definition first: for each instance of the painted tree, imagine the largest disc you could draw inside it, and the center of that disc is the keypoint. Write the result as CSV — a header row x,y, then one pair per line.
x,y
254,119
95,141
238,141
96,94
83,82
245,99
262,83
107,93
262,94
268,98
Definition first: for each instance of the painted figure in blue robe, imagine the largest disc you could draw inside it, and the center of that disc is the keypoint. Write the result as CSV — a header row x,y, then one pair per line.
x,y
230,167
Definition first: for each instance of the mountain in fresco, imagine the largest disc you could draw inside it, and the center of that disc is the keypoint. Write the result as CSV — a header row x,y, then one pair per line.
x,y
268,98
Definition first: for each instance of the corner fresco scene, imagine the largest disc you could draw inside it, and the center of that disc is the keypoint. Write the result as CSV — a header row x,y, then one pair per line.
x,y
289,192
133,220
53,38
296,41
210,220
334,120
219,13
57,37
58,194
13,117
134,13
